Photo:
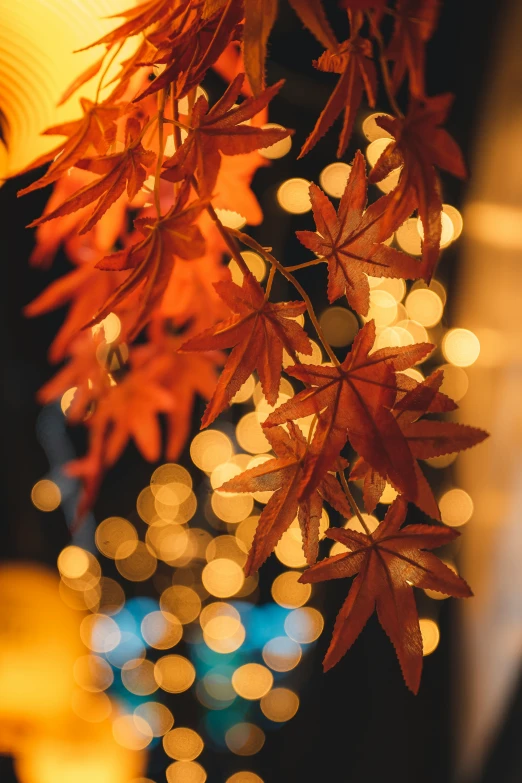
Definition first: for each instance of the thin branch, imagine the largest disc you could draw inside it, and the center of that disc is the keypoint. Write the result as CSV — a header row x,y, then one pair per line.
x,y
376,33
353,504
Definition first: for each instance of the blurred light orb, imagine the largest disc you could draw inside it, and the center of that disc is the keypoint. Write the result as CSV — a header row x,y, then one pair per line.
x,y
289,549
250,435
138,566
174,673
417,330
288,592
371,130
282,654
222,577
430,635
93,673
100,633
293,196
181,601
161,630
132,732
333,178
408,237
435,285
395,286
354,523
137,676
231,509
209,449
244,777
183,744
456,507
280,704
383,308
280,148
67,398
91,707
339,326
456,218
447,229
231,219
246,391
304,625
424,306
170,473
389,494
158,717
116,535
455,383
109,327
461,347
73,562
185,772
46,495
252,681
245,739
375,149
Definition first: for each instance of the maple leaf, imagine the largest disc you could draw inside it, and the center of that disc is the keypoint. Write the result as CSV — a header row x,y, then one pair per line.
x,y
415,21
388,563
258,332
419,144
260,16
220,130
351,241
282,476
353,400
120,171
96,130
312,15
151,259
353,62
139,18
424,438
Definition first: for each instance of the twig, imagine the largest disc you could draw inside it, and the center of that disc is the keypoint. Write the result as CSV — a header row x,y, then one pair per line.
x,y
353,504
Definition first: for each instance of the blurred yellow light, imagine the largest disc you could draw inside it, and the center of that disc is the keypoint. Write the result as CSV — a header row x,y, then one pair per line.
x,y
304,625
375,149
245,392
393,337
244,777
411,372
455,382
218,609
389,494
145,506
159,717
316,357
92,673
185,772
294,197
174,673
280,148
231,508
408,237
99,633
222,577
138,566
430,635
181,601
447,229
116,535
250,435
132,732
434,594
354,524
287,591
222,473
91,707
289,549
225,547
424,306
161,630
339,326
182,744
170,473
456,507
110,326
383,308
371,130
245,739
246,531
333,178
67,398
231,219
223,635
46,495
252,681
390,182
282,654
137,676
395,286
73,562
107,597
280,705
461,347
443,461
285,387
255,263
456,218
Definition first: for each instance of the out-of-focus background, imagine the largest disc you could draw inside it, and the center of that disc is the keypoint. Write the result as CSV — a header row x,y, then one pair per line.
x,y
358,723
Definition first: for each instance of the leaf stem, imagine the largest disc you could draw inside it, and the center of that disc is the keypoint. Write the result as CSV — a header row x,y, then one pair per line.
x,y
384,68
291,279
353,504
161,112
305,265
106,70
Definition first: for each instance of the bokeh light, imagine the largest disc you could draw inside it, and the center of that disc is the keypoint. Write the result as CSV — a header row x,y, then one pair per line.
x,y
138,566
131,732
116,536
456,507
252,681
280,148
245,739
333,178
222,577
304,625
157,715
282,654
280,704
244,777
294,197
161,630
370,128
408,237
92,673
339,326
46,495
182,744
461,347
430,635
424,306
185,772
254,262
174,673
455,382
287,591
181,601
137,675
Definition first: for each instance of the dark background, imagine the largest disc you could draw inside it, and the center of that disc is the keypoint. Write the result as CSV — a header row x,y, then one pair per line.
x,y
358,724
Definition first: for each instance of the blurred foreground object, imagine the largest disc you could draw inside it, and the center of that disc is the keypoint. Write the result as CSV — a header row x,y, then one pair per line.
x,y
38,63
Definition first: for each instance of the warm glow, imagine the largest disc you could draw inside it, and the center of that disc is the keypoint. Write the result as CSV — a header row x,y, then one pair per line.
x,y
424,306
222,577
389,494
209,449
252,681
131,732
456,218
92,673
137,675
455,383
395,286
375,149
91,707
371,130
100,633
461,347
231,219
244,777
181,601
408,237
231,508
333,178
417,330
185,772
174,673
110,326
256,265
282,654
159,717
182,744
116,536
430,635
161,630
339,326
456,507
247,389
171,474
245,739
354,523
280,704
383,308
287,591
138,566
294,197
289,549
46,495
250,435
225,547
447,229
304,625
280,148
73,562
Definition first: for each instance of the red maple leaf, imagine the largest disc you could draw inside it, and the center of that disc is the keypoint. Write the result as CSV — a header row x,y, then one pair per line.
x,y
352,60
282,476
425,438
415,21
419,145
120,171
353,400
95,131
220,130
258,332
139,18
151,260
389,563
351,241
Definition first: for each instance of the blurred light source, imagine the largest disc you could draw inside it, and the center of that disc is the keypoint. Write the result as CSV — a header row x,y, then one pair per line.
x,y
373,131
304,625
430,635
375,149
137,675
455,382
424,306
222,577
185,772
245,739
250,435
231,219
157,715
456,507
333,178
252,681
294,197
182,744
280,704
280,148
210,449
456,218
46,495
461,347
181,601
254,262
287,591
116,535
383,308
244,777
92,673
132,732
174,673
339,326
408,237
